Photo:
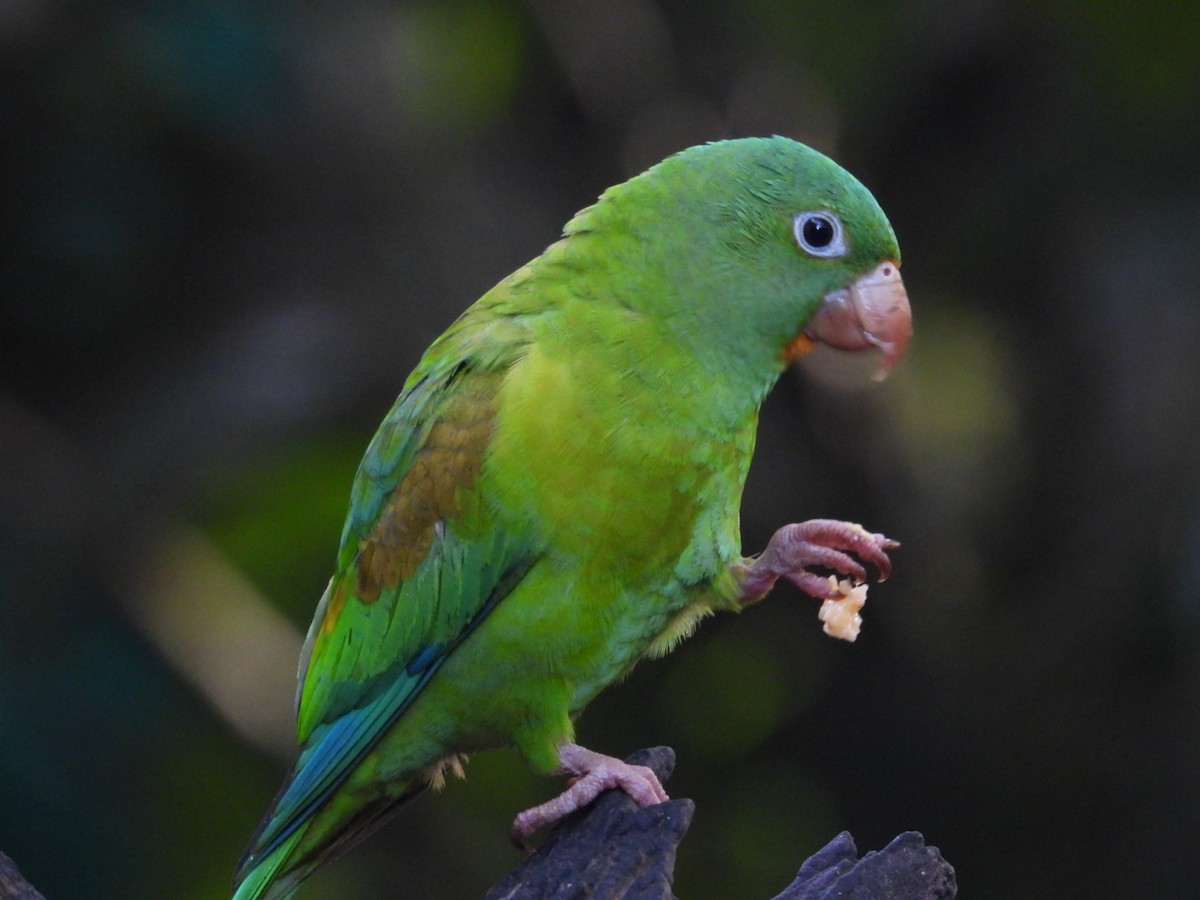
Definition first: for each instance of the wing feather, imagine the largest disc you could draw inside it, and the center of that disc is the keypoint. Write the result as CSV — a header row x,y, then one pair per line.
x,y
420,566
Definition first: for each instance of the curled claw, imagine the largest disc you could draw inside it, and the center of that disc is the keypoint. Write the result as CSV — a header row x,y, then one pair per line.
x,y
593,774
830,544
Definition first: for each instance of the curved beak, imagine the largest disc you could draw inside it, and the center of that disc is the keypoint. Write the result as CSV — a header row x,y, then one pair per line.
x,y
871,312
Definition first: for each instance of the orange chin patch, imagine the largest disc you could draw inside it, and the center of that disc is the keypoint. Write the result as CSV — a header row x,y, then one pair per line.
x,y
797,347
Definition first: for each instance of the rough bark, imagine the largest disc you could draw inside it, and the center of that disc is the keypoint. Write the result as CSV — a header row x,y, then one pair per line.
x,y
12,885
613,850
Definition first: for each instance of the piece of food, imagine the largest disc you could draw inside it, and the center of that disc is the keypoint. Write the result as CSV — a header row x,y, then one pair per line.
x,y
841,614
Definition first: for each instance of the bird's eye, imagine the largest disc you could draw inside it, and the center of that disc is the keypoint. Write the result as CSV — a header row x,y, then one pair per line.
x,y
819,233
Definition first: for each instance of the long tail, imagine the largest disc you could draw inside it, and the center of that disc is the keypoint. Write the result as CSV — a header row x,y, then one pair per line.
x,y
271,878
273,869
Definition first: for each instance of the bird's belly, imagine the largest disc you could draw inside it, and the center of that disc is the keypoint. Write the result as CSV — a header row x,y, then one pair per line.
x,y
545,652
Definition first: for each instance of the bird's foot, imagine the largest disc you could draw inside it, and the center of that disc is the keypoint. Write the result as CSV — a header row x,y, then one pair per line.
x,y
818,542
592,774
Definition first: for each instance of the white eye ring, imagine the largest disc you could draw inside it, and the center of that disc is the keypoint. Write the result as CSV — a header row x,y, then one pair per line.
x,y
819,233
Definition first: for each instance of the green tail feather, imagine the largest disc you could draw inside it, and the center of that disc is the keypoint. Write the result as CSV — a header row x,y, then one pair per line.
x,y
270,878
279,873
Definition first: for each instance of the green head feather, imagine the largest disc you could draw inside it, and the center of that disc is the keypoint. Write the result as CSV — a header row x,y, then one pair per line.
x,y
704,243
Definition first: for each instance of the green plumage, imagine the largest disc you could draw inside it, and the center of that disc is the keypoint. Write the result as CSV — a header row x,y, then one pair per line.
x,y
555,493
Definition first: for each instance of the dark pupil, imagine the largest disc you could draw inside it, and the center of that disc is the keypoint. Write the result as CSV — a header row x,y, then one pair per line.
x,y
818,232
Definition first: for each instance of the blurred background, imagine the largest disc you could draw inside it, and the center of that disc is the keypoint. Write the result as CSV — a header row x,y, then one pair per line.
x,y
230,229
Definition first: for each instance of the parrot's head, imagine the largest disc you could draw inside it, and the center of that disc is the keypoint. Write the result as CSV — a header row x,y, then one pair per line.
x,y
870,310
765,245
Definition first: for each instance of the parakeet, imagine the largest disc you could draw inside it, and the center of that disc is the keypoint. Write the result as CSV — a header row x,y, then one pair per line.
x,y
555,493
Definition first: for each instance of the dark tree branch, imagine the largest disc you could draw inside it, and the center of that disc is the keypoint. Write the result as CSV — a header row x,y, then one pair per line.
x,y
12,885
612,850
906,869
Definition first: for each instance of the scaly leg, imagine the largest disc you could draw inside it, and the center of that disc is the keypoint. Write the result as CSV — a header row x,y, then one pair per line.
x,y
818,542
593,773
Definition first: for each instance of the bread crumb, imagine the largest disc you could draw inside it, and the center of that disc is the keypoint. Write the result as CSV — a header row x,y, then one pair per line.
x,y
840,615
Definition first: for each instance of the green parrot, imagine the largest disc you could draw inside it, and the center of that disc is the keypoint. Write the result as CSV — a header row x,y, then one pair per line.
x,y
555,493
